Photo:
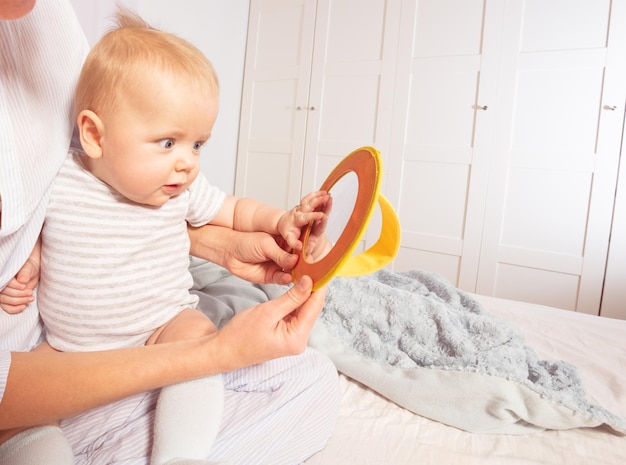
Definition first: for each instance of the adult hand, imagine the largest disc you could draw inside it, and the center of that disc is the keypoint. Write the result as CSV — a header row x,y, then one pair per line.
x,y
276,328
253,256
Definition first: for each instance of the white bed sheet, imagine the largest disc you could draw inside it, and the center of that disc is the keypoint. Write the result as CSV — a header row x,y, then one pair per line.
x,y
374,431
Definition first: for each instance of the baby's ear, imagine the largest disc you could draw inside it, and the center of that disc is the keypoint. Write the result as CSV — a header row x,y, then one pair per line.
x,y
90,128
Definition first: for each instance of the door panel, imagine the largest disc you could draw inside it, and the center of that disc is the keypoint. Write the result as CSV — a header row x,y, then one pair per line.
x,y
564,24
446,67
351,83
555,155
273,117
546,210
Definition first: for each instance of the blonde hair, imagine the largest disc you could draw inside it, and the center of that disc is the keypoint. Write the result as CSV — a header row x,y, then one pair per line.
x,y
130,52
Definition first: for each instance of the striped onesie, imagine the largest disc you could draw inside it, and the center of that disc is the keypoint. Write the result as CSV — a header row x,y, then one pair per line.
x,y
113,271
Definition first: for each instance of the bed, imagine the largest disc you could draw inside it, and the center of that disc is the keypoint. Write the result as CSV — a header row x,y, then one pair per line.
x,y
379,425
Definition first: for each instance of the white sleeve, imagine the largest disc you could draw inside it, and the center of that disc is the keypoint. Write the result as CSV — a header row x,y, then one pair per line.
x,y
205,201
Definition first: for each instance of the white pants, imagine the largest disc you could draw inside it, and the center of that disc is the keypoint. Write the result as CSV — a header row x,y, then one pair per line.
x,y
278,412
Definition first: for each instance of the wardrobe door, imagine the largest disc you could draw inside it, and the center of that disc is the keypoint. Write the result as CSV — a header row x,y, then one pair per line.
x,y
273,115
318,84
614,291
442,130
352,78
555,152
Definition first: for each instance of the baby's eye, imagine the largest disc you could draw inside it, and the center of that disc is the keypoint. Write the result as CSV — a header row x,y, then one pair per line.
x,y
197,146
166,143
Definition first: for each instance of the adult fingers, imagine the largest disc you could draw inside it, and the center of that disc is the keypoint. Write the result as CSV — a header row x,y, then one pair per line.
x,y
307,306
273,252
295,297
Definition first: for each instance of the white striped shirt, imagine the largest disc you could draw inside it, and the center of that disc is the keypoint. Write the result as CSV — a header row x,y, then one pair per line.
x,y
112,270
40,58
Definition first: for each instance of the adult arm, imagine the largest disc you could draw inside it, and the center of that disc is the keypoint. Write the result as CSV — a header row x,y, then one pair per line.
x,y
253,256
43,386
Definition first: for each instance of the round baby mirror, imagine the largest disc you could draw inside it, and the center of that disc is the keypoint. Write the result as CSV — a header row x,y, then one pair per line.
x,y
354,185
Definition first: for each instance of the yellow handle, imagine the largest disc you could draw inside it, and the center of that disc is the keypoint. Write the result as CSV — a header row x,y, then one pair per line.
x,y
382,252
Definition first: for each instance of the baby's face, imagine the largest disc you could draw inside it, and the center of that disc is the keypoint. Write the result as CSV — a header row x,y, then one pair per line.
x,y
152,140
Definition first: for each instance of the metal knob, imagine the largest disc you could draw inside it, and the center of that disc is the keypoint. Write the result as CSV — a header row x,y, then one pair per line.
x,y
610,107
481,107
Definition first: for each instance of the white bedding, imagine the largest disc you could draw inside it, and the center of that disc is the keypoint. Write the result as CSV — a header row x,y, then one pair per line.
x,y
373,430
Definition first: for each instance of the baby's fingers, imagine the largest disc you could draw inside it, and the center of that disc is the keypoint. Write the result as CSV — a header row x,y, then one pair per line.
x,y
305,218
313,200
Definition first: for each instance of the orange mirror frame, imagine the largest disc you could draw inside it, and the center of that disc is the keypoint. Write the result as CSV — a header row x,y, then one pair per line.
x,y
366,163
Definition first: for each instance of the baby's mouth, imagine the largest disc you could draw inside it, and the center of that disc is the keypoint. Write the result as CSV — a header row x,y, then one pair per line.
x,y
172,188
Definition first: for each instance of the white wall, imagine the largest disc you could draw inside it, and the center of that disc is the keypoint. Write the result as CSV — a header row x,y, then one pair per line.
x,y
216,27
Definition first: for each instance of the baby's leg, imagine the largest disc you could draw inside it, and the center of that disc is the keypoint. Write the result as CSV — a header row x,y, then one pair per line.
x,y
188,415
188,324
36,445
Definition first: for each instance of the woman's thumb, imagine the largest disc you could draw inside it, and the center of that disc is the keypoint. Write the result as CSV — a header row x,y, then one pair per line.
x,y
300,292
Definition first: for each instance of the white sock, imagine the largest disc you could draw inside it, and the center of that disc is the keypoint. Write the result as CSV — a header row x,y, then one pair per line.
x,y
36,446
187,420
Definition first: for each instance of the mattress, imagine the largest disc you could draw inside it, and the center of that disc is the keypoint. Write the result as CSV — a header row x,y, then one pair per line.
x,y
373,430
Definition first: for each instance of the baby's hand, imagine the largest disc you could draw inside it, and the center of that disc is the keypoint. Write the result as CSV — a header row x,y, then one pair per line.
x,y
313,207
19,292
317,244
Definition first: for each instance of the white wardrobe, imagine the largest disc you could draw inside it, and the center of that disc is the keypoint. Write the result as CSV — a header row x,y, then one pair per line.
x,y
499,122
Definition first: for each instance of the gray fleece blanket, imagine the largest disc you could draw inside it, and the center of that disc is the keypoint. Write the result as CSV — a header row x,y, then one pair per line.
x,y
419,341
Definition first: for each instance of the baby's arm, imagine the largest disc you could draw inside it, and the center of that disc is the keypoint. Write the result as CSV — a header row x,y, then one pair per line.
x,y
19,292
249,215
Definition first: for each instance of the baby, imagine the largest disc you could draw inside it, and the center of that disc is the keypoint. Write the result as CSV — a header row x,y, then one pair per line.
x,y
114,252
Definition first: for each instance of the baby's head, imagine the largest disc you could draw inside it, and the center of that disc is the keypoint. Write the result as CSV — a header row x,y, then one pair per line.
x,y
132,53
145,103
